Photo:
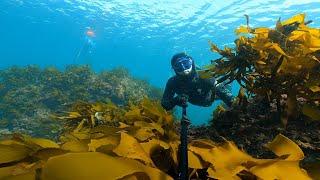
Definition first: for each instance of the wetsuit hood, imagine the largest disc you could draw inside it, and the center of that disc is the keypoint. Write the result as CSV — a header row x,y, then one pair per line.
x,y
184,66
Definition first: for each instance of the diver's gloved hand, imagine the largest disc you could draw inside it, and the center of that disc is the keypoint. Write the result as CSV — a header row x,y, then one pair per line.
x,y
181,100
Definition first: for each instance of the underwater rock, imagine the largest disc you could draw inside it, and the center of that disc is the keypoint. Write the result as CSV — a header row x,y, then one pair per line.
x,y
28,95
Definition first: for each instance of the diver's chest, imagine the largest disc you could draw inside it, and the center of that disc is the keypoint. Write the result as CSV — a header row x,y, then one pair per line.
x,y
192,88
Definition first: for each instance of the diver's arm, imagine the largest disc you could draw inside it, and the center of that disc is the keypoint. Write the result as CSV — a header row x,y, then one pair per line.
x,y
210,95
168,101
224,93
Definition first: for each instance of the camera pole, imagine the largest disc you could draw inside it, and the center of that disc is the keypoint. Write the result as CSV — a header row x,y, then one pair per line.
x,y
183,163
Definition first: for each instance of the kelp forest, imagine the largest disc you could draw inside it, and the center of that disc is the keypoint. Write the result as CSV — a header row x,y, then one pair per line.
x,y
79,124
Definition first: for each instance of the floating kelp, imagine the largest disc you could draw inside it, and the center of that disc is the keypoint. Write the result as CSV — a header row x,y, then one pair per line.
x,y
273,63
140,143
28,95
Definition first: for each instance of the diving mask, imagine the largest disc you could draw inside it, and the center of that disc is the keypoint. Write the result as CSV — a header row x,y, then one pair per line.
x,y
183,66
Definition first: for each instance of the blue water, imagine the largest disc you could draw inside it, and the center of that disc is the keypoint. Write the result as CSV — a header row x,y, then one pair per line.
x,y
141,35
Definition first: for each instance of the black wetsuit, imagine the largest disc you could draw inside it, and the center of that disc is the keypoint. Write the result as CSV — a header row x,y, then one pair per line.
x,y
201,92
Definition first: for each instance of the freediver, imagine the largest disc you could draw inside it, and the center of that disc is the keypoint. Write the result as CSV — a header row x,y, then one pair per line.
x,y
87,45
187,86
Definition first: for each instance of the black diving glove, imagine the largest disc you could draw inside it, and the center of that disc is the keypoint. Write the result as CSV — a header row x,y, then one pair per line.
x,y
181,100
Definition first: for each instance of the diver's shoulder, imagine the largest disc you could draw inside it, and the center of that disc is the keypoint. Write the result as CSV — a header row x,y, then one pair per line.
x,y
172,78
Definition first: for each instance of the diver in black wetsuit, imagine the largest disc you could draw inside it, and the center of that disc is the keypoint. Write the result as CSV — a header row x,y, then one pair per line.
x,y
186,85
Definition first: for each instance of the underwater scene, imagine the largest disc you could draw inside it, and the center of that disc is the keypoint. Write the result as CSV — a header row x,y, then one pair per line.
x,y
160,89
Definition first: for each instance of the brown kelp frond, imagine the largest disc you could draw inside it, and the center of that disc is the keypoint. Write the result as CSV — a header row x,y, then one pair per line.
x,y
140,143
275,62
148,117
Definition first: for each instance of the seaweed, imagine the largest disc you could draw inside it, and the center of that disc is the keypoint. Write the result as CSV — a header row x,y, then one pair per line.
x,y
30,94
139,142
275,63
110,127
